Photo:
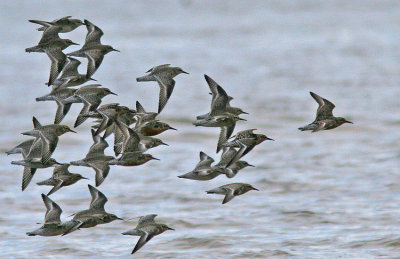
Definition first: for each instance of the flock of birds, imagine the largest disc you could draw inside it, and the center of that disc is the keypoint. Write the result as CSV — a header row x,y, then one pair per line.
x,y
133,131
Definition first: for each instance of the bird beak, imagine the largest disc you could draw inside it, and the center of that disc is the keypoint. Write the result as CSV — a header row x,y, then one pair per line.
x,y
170,228
120,218
73,43
84,178
172,128
251,165
92,79
155,158
245,112
113,93
242,119
165,144
185,72
270,139
57,163
255,189
116,50
348,121
72,131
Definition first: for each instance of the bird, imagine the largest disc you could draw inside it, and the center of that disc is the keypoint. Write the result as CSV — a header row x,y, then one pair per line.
x,y
147,125
146,228
93,216
324,119
227,155
220,100
225,121
96,159
69,75
22,148
245,140
163,75
65,23
90,96
59,95
52,223
203,170
221,113
48,137
93,50
135,158
231,190
61,177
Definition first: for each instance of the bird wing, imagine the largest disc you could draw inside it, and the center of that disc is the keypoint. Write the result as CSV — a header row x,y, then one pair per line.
x,y
224,135
227,155
62,110
27,176
246,145
95,57
229,195
50,33
93,35
325,107
98,199
70,68
53,211
56,187
205,161
157,67
139,108
49,144
144,238
167,85
58,59
145,220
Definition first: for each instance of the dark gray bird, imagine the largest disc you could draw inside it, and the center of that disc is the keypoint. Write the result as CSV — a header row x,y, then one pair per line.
x,y
52,223
227,155
231,190
245,140
61,177
324,119
93,50
163,75
147,125
203,170
47,136
93,216
69,75
66,24
90,96
220,101
96,159
59,95
146,228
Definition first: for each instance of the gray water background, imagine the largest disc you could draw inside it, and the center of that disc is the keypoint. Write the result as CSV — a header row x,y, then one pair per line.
x,y
333,194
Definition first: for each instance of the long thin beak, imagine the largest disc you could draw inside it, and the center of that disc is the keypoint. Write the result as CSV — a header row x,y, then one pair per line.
x,y
120,218
185,72
57,163
73,131
256,189
270,139
245,112
92,79
113,93
349,122
84,178
116,50
242,119
251,165
73,43
155,159
171,128
165,144
170,228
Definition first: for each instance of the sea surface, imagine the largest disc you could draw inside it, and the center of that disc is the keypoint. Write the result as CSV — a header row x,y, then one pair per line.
x,y
331,194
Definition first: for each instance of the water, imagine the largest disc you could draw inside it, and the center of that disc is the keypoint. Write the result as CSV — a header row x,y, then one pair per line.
x,y
325,195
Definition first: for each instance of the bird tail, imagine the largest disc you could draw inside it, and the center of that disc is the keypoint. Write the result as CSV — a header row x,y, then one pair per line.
x,y
307,127
43,23
44,98
34,49
145,78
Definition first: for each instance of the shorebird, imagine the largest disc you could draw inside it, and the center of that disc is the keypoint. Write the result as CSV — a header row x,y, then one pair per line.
x,y
93,50
245,140
66,24
69,75
225,121
52,223
147,125
231,190
96,159
203,170
227,155
146,228
48,136
90,96
163,75
93,216
22,148
59,95
324,119
220,100
61,177
132,159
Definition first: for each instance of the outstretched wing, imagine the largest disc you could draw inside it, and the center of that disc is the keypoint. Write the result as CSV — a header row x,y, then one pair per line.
x,y
53,211
325,107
